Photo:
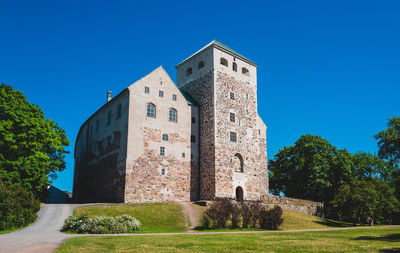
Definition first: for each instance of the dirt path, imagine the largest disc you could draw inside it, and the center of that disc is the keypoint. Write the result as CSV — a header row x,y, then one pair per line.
x,y
193,214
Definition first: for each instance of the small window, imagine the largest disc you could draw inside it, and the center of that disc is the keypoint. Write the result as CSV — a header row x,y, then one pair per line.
x,y
201,65
247,112
191,156
119,111
172,115
165,137
161,93
247,96
224,62
245,71
146,90
232,96
259,132
232,117
109,118
234,66
162,151
173,97
151,110
189,71
163,172
193,139
193,120
183,155
232,136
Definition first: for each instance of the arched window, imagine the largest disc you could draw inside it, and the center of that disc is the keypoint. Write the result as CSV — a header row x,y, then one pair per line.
x,y
245,71
173,115
189,71
165,137
239,158
151,110
234,66
224,62
201,64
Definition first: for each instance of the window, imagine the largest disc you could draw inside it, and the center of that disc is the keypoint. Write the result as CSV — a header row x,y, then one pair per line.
x,y
146,90
232,137
193,120
232,117
247,112
172,115
151,110
224,62
240,158
189,71
247,96
161,93
119,111
259,132
191,156
174,97
232,96
201,65
109,117
245,71
183,155
193,139
234,66
162,151
165,137
163,172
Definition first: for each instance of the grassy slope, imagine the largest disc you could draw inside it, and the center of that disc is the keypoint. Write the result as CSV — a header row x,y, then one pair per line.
x,y
155,217
355,240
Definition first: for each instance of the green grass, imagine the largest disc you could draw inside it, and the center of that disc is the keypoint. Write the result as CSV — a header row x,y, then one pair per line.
x,y
155,217
354,240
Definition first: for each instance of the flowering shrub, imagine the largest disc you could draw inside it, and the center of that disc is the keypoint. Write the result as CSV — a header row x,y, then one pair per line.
x,y
101,224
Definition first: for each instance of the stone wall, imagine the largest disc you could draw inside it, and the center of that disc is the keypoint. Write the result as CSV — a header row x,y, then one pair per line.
x,y
298,205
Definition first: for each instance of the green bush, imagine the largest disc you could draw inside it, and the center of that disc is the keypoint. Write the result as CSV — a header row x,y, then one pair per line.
x,y
224,213
101,224
18,207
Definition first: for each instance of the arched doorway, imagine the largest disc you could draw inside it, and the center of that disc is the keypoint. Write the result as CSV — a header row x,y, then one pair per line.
x,y
239,194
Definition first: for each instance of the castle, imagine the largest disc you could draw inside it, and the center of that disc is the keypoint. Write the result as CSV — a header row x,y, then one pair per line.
x,y
197,140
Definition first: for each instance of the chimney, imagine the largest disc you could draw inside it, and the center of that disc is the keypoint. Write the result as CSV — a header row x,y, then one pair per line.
x,y
109,96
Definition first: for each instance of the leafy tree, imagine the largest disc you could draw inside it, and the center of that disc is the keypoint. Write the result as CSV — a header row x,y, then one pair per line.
x,y
365,201
389,141
368,166
310,169
31,146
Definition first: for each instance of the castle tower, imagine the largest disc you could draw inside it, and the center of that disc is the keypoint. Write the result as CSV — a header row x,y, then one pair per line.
x,y
233,158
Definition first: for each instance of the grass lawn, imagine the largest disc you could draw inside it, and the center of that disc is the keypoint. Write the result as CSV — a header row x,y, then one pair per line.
x,y
155,217
354,240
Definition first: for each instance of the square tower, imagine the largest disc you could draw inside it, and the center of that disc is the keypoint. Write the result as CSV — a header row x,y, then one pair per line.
x,y
233,158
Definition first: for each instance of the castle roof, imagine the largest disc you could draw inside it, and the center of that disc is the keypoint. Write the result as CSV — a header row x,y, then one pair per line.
x,y
222,47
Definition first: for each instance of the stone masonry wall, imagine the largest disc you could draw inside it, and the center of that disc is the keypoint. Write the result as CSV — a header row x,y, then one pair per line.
x,y
254,179
298,205
202,91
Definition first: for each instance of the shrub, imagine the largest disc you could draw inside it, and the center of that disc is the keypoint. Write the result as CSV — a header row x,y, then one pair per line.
x,y
224,213
101,224
270,219
18,207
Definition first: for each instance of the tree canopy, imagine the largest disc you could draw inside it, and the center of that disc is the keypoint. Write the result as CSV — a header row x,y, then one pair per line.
x,y
311,169
389,141
31,146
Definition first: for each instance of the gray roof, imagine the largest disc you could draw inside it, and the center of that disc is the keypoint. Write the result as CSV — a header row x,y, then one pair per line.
x,y
189,98
221,46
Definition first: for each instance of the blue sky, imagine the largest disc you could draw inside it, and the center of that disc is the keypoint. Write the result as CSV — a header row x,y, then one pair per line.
x,y
330,68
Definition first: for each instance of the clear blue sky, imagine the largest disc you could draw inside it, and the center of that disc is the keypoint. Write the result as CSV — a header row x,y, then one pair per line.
x,y
330,68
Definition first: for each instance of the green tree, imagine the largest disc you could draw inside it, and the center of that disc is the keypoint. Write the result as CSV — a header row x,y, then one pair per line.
x,y
31,146
368,166
365,201
310,169
389,141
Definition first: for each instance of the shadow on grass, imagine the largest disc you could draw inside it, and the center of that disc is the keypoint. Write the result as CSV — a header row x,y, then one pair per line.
x,y
390,250
332,223
386,238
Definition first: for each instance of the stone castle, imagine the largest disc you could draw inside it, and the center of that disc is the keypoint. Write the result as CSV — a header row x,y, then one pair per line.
x,y
197,140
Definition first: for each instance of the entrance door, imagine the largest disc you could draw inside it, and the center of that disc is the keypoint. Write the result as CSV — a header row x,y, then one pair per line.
x,y
239,194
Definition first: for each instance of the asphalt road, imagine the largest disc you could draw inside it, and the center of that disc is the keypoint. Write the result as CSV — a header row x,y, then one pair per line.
x,y
42,236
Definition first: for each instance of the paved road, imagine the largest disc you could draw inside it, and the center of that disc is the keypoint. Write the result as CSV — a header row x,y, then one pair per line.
x,y
42,236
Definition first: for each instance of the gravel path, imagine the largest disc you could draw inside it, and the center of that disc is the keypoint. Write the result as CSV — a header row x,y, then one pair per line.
x,y
193,214
42,236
